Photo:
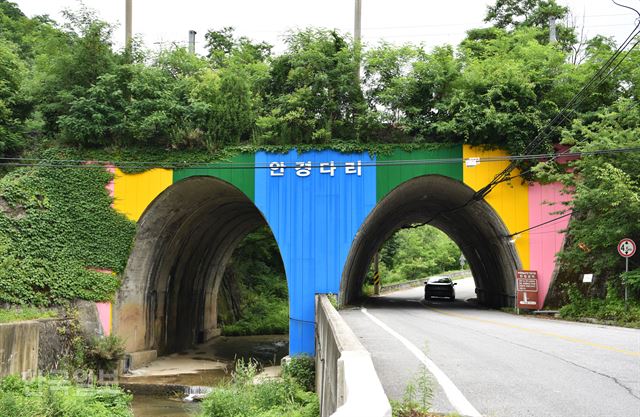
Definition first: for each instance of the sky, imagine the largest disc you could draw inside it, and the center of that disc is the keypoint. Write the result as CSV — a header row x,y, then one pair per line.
x,y
162,23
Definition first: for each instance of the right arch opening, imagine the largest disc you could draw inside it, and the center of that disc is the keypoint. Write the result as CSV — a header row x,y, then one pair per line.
x,y
475,228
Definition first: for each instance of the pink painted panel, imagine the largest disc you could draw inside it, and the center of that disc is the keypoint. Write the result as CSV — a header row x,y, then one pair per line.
x,y
546,241
111,185
104,315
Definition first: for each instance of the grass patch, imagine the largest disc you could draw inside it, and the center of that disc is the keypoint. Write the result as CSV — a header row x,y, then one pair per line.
x,y
57,397
10,315
263,314
273,398
611,309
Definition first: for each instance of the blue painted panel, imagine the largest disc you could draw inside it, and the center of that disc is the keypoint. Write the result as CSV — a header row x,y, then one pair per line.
x,y
314,219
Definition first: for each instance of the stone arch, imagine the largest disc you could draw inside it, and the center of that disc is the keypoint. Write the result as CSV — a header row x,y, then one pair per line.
x,y
475,227
185,238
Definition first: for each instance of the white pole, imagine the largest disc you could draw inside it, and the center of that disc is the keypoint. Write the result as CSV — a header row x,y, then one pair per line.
x,y
192,41
357,35
357,27
552,30
129,23
626,293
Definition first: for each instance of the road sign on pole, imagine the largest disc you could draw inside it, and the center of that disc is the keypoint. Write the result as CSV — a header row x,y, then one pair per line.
x,y
626,249
527,286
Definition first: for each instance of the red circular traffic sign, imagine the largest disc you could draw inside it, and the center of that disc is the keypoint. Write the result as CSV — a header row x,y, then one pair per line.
x,y
627,248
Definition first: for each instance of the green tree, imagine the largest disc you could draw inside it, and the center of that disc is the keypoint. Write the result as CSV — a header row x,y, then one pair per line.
x,y
386,75
223,104
70,65
312,96
605,191
513,14
133,104
223,45
417,253
12,73
509,88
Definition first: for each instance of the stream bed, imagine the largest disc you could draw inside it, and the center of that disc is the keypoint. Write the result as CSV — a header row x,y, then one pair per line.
x,y
159,387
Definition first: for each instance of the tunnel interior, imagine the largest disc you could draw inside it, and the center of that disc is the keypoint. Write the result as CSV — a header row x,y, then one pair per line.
x,y
185,240
444,203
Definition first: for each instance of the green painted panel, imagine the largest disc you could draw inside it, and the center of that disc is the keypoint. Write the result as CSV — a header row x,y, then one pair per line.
x,y
389,177
243,178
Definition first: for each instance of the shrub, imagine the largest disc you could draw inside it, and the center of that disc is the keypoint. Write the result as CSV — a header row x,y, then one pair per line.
x,y
103,353
242,398
611,308
57,397
302,369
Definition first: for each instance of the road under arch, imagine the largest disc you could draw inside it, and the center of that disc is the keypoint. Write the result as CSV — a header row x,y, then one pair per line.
x,y
447,204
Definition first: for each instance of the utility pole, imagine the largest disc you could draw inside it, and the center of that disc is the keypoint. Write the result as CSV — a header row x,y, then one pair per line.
x,y
552,30
192,41
129,23
376,274
357,27
357,36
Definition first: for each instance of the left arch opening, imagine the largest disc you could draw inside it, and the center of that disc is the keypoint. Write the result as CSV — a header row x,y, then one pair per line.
x,y
185,239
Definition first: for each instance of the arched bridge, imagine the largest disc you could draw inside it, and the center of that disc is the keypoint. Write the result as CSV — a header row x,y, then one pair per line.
x,y
329,212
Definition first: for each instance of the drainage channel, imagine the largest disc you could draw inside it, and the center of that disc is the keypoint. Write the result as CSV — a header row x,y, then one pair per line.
x,y
172,385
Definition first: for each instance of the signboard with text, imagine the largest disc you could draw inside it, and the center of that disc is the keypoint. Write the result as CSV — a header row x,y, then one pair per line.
x,y
527,288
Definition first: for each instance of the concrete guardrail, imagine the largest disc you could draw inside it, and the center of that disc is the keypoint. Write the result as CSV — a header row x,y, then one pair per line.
x,y
419,282
346,381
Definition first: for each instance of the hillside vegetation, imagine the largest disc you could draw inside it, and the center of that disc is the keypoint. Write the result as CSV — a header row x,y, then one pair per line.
x,y
500,87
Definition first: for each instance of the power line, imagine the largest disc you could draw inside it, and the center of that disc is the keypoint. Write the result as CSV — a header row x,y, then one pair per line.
x,y
541,224
77,163
569,107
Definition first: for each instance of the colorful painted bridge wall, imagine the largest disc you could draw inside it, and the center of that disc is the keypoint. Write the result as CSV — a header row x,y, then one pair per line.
x,y
315,214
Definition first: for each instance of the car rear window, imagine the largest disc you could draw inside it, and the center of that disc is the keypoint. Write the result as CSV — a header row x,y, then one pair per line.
x,y
439,280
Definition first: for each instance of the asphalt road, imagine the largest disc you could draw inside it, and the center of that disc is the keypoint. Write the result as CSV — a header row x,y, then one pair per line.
x,y
504,365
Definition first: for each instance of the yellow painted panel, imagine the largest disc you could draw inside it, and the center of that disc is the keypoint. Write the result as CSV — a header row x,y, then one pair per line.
x,y
509,200
134,192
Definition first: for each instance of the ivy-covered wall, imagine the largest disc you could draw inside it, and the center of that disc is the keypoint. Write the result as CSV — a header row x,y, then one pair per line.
x,y
57,229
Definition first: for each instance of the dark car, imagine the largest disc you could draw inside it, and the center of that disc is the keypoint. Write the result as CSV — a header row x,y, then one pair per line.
x,y
439,287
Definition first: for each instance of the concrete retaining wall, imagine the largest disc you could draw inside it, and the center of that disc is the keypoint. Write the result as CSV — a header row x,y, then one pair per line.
x,y
19,347
346,381
385,289
30,347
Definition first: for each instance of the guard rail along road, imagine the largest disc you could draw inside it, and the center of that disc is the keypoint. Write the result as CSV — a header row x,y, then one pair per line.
x,y
346,381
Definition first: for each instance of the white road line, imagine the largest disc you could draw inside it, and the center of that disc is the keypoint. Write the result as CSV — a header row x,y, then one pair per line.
x,y
456,398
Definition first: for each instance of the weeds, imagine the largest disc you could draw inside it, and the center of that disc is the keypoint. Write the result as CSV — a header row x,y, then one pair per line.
x,y
242,398
9,315
49,396
302,369
611,308
416,401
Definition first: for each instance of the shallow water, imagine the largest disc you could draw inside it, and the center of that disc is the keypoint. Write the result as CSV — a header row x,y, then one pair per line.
x,y
151,406
267,350
207,378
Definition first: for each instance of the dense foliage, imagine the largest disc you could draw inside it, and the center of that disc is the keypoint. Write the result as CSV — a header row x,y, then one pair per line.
x,y
254,295
243,398
57,229
611,308
417,253
497,88
606,196
44,397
